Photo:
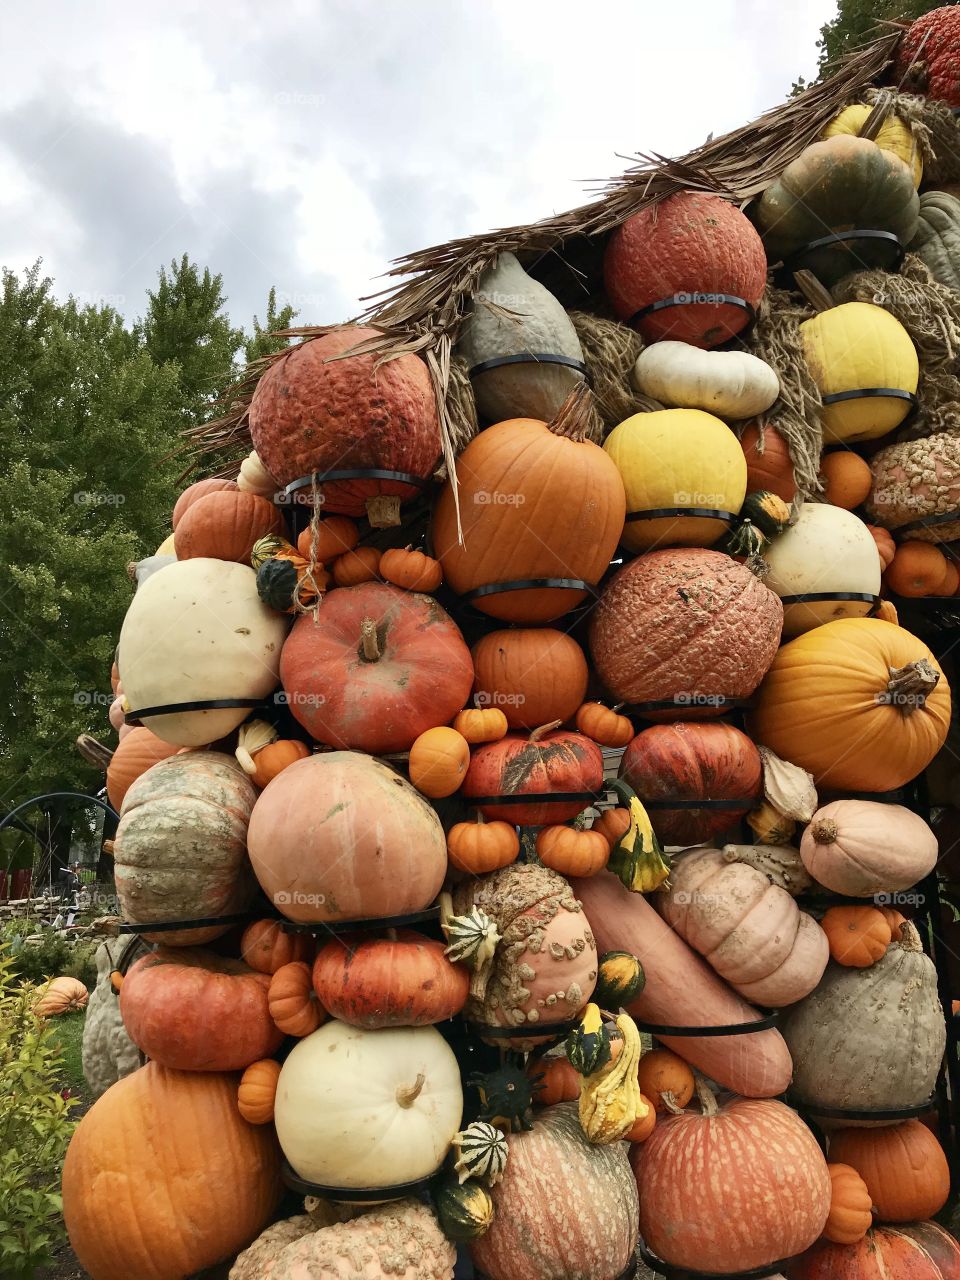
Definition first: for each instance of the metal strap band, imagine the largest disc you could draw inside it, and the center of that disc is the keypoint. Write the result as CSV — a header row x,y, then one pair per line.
x,y
538,1029
356,473
696,300
208,704
698,513
894,393
350,1194
734,1029
529,584
170,926
929,522
539,797
532,357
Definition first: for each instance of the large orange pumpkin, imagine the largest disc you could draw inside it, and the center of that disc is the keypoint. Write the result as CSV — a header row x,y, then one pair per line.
x,y
537,502
313,412
225,525
163,1177
376,668
541,764
532,674
764,1194
194,492
920,1251
685,627
861,704
194,1010
903,1165
136,752
693,244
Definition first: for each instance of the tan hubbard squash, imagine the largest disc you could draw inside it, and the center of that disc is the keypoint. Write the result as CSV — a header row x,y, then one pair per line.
x,y
107,1051
861,847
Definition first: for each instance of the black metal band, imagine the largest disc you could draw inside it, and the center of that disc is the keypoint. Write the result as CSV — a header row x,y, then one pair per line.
x,y
721,700
536,797
929,522
856,1113
171,926
354,473
734,1029
524,1032
204,704
350,1194
857,235
746,802
531,357
529,584
361,926
891,393
697,299
696,513
684,1273
814,597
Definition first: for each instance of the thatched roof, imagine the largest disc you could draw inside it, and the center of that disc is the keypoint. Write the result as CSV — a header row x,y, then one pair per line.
x,y
422,313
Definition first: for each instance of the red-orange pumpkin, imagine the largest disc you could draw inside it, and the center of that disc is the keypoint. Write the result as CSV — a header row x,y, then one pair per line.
x,y
136,752
542,763
266,946
312,412
711,761
532,674
764,1195
333,537
225,525
193,1010
690,243
194,492
378,667
769,465
401,980
920,1251
928,56
293,1002
555,1079
903,1165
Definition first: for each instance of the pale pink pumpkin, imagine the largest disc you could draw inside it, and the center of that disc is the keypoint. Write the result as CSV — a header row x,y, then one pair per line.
x,y
734,1187
862,847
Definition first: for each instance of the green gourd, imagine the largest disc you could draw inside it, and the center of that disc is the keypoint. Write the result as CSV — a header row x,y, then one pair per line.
x,y
464,1210
620,978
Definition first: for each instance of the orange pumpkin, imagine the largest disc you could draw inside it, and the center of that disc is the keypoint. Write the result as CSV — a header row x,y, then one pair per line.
x,y
887,612
664,1075
903,1165
60,995
293,1002
225,526
614,824
438,762
136,752
267,946
603,725
886,547
194,492
354,567
846,478
858,936
769,465
333,537
949,585
573,852
411,570
894,919
481,724
534,675
257,1091
917,569
851,1215
479,847
646,1124
274,758
554,1078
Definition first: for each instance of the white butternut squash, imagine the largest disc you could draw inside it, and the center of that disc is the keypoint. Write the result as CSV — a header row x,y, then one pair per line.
x,y
731,384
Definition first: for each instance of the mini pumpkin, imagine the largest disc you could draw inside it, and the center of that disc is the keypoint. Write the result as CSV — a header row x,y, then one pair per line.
x,y
267,946
479,847
262,754
846,478
604,725
572,851
257,1091
620,978
292,1000
851,1214
438,762
917,569
481,1151
769,465
665,1079
412,570
645,1123
328,539
886,547
554,1079
481,724
858,936
354,567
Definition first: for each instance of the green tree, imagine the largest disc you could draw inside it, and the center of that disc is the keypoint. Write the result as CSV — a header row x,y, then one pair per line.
x,y
261,341
859,21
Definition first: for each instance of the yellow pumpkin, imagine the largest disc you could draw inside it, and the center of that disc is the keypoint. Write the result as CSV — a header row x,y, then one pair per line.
x,y
856,347
166,547
894,135
677,458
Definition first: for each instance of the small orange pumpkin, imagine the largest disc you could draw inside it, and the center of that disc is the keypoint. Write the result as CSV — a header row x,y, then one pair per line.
x,y
257,1091
292,1001
479,847
267,946
894,919
439,760
275,757
886,547
571,851
662,1074
603,725
948,587
411,570
481,724
60,995
887,612
847,479
851,1215
354,567
858,936
335,536
614,824
116,980
645,1123
555,1079
917,569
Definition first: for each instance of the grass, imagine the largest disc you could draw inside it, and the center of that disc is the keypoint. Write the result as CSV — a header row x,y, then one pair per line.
x,y
68,1035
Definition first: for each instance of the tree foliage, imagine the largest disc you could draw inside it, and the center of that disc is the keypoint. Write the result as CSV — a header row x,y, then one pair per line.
x,y
858,22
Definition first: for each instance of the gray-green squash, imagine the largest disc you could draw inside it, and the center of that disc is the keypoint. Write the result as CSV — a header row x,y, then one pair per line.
x,y
937,239
108,1053
514,315
870,1038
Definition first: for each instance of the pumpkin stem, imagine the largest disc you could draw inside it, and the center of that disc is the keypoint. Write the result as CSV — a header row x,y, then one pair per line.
x,y
669,1100
537,734
574,415
383,512
708,1101
909,939
818,295
875,120
909,687
408,1096
825,831
369,649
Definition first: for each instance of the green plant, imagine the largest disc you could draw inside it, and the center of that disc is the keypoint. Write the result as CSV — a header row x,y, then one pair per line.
x,y
34,1130
33,962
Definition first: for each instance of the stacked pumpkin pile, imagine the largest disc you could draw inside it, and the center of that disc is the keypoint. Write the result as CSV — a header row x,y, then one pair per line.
x,y
435,802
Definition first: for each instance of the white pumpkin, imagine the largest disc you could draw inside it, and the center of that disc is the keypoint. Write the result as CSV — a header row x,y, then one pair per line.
x,y
255,478
731,384
198,631
360,1109
827,550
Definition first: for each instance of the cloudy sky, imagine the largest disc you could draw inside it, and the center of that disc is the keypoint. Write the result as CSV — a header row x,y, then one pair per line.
x,y
305,144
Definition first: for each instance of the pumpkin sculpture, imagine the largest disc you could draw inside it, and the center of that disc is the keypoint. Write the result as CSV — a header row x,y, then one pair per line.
x,y
920,1251
673,461
375,669
540,765
767,1195
860,847
538,501
859,703
915,481
927,56
134,755
840,1035
749,930
225,526
903,1165
688,628
365,1109
695,245
371,847
689,762
532,675
320,408
564,1206
191,809
188,1134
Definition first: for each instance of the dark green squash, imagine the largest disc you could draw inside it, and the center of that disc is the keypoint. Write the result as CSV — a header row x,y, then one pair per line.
x,y
767,511
588,1045
506,1097
277,582
464,1210
620,978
